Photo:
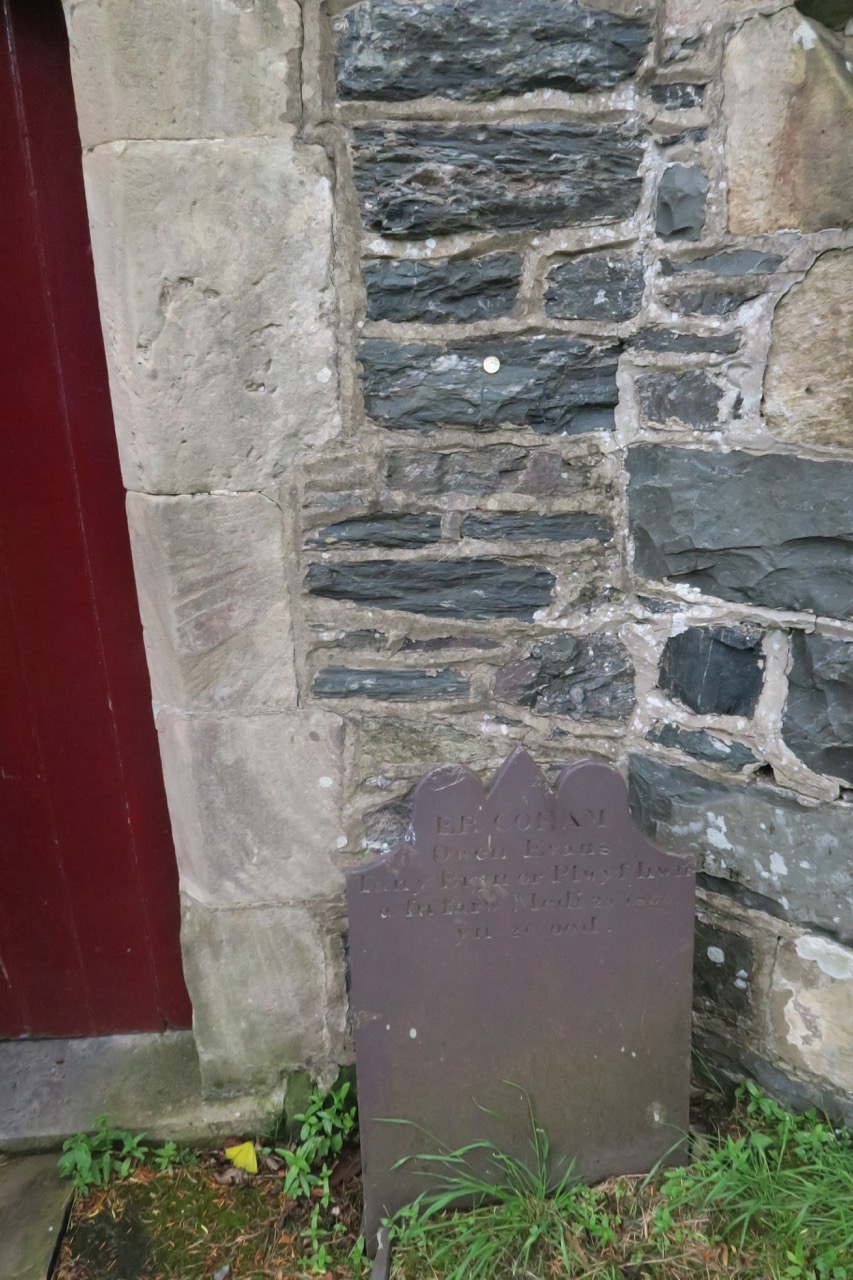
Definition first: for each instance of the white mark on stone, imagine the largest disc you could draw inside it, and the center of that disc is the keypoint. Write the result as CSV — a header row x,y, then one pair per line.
x,y
430,243
413,1033
830,957
805,37
778,865
341,842
740,983
324,374
491,364
325,783
716,955
600,297
387,1026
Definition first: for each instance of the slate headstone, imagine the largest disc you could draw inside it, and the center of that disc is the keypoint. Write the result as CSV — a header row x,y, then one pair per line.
x,y
522,945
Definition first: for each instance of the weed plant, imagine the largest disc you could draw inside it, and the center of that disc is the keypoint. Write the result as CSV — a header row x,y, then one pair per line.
x,y
92,1159
771,1199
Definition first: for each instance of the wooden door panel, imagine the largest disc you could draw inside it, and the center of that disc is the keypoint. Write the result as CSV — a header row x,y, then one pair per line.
x,y
88,885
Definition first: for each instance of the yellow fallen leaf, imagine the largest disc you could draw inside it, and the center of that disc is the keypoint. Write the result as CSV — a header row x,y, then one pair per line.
x,y
243,1156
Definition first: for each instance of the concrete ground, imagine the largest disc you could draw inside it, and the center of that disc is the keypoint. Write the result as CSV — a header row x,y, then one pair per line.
x,y
33,1206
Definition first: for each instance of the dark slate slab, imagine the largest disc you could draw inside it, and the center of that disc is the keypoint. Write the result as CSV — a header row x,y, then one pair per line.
x,y
393,52
711,302
666,139
477,588
595,286
678,96
758,838
681,202
491,469
522,935
688,396
703,745
583,677
714,670
521,525
455,290
665,340
389,685
381,531
818,719
724,966
428,179
552,385
774,530
731,262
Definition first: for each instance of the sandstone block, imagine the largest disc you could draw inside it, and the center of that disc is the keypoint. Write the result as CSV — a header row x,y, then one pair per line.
x,y
265,995
789,119
808,387
213,597
255,805
811,1007
197,69
213,268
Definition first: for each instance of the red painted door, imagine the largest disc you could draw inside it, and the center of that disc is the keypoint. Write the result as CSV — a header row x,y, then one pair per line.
x,y
89,913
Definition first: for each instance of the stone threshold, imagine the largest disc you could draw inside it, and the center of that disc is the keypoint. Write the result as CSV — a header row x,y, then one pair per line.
x,y
51,1089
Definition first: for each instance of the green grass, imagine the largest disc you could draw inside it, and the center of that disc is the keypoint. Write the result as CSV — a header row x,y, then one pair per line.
x,y
770,1199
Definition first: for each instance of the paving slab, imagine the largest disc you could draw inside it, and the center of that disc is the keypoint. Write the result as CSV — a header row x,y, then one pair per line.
x,y
33,1204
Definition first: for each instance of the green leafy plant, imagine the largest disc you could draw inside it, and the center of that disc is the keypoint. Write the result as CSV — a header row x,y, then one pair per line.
x,y
91,1159
325,1125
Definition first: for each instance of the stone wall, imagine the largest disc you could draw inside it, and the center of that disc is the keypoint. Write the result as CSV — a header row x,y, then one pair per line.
x,y
484,382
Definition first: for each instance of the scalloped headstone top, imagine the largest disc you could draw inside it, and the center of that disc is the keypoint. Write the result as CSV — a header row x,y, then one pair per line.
x,y
522,943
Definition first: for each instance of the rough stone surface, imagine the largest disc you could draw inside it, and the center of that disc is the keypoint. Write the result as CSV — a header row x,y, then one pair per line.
x,y
392,742
389,685
583,677
703,746
677,96
194,70
712,301
476,588
724,963
255,805
728,263
811,1003
691,397
595,286
773,530
818,718
434,179
808,387
666,340
520,526
553,385
681,202
210,576
394,51
260,976
381,531
492,469
219,336
714,670
756,836
789,116
460,289
834,14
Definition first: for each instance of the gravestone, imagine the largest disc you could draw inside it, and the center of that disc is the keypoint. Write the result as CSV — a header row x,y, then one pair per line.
x,y
522,945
